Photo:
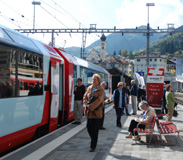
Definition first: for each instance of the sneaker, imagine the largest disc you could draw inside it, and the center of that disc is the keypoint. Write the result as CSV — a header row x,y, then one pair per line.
x,y
129,136
136,138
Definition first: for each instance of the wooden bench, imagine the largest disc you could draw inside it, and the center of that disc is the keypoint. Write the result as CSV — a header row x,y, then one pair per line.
x,y
166,128
148,130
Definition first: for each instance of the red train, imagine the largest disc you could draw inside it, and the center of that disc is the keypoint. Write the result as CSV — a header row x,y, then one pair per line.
x,y
36,87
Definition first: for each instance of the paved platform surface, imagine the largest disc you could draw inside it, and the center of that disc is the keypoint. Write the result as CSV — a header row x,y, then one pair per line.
x,y
112,144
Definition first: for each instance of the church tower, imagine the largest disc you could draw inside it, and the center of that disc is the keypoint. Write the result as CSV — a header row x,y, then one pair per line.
x,y
103,47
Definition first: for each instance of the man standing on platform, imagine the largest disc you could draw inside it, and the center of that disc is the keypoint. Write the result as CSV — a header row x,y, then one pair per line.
x,y
79,91
134,97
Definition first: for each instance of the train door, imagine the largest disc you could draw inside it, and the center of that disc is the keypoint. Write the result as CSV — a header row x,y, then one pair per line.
x,y
54,108
61,95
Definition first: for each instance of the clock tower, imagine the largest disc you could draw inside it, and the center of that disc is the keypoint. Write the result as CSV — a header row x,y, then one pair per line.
x,y
103,47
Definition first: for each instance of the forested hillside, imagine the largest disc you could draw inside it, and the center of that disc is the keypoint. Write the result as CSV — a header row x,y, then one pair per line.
x,y
170,45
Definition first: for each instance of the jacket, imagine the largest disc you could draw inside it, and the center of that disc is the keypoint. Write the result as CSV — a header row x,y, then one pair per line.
x,y
170,100
134,90
149,115
94,109
117,96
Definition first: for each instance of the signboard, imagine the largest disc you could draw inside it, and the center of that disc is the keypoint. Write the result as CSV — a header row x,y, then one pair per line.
x,y
141,73
155,79
155,72
155,83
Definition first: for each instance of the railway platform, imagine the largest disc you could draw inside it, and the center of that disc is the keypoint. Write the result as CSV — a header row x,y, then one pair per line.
x,y
72,142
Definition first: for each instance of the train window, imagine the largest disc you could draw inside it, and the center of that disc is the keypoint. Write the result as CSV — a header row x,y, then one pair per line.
x,y
7,69
84,76
90,75
16,72
106,80
75,75
30,70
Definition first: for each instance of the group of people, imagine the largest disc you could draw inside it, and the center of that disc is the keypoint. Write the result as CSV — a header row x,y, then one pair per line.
x,y
94,99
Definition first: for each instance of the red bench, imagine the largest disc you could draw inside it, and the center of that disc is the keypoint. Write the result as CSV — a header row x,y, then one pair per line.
x,y
148,130
166,128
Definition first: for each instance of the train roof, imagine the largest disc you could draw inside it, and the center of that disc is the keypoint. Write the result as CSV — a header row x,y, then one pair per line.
x,y
19,40
82,62
14,38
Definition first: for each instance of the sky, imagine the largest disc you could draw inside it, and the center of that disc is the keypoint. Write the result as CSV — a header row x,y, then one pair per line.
x,y
17,14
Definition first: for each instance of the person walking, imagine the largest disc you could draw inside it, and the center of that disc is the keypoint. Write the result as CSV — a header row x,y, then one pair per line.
x,y
103,84
94,102
79,91
119,102
170,101
134,97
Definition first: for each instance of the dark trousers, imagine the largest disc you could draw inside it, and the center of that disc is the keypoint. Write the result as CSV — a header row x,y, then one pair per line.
x,y
133,125
102,119
93,126
119,112
163,108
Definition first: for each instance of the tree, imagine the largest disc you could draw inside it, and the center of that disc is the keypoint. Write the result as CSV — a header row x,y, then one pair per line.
x,y
124,52
131,56
114,53
119,53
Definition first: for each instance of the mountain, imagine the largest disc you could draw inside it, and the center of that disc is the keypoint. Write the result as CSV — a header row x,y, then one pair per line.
x,y
73,50
117,42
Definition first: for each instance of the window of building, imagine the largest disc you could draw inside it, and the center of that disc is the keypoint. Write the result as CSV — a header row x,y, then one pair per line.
x,y
155,59
150,60
138,60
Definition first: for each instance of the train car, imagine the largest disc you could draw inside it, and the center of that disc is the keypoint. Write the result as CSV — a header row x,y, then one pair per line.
x,y
36,87
31,75
76,67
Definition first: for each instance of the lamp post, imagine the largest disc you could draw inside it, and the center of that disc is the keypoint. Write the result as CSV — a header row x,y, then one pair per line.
x,y
35,3
148,36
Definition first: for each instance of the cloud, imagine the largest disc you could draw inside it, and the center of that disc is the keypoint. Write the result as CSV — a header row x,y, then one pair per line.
x,y
134,13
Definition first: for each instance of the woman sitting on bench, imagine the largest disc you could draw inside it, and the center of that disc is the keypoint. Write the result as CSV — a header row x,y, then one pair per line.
x,y
148,115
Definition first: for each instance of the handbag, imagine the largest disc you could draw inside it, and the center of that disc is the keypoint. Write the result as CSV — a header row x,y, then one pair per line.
x,y
93,99
175,113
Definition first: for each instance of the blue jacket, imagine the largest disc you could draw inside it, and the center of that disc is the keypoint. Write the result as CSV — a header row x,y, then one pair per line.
x,y
134,90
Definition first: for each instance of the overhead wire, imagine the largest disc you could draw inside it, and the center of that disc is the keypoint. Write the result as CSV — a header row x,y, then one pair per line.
x,y
57,19
21,15
71,16
11,20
